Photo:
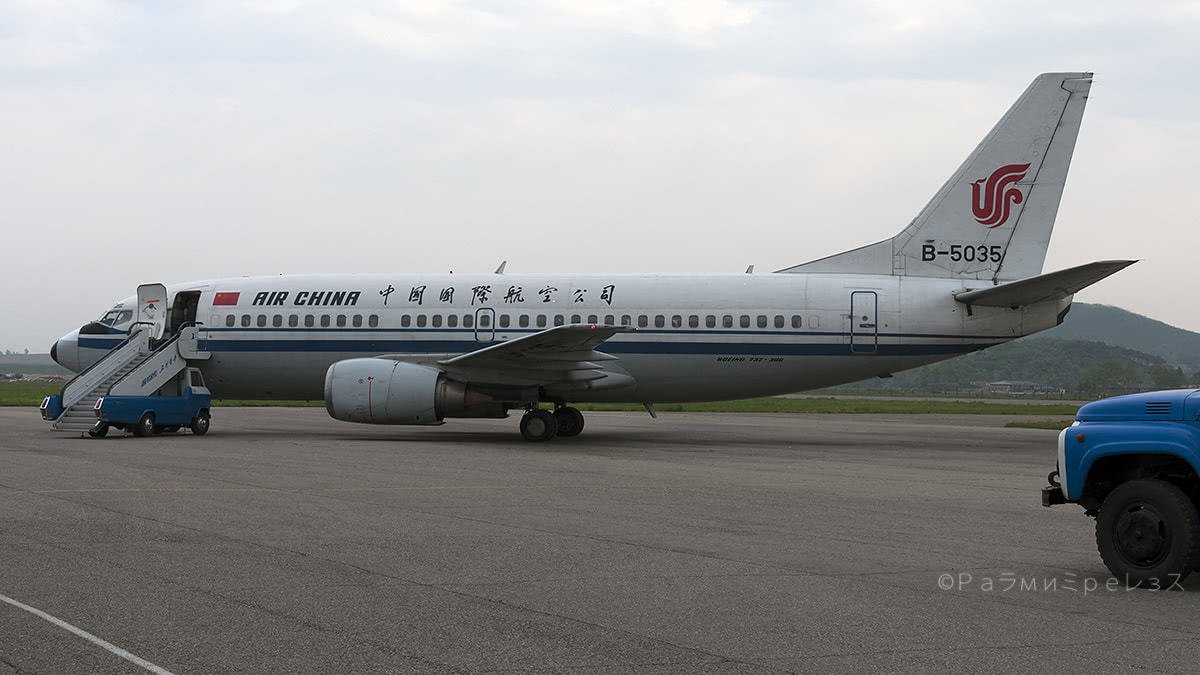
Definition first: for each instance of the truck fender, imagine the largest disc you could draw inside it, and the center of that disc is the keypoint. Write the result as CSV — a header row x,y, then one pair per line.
x,y
1126,438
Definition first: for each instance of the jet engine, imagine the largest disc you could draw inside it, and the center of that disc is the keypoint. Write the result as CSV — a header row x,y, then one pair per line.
x,y
382,391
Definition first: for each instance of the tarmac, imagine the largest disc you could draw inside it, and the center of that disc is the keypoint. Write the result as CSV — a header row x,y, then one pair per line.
x,y
285,541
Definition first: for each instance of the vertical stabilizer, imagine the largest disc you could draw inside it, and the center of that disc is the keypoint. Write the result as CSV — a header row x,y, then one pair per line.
x,y
993,218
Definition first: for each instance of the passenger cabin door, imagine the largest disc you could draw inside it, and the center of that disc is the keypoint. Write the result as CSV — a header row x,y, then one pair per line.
x,y
183,309
152,308
864,323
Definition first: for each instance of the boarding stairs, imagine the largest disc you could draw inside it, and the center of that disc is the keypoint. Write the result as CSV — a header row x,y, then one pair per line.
x,y
136,367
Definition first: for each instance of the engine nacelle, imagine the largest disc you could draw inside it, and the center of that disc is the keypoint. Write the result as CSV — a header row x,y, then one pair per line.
x,y
382,391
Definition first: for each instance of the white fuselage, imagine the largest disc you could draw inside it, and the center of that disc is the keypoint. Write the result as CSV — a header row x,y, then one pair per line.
x,y
698,337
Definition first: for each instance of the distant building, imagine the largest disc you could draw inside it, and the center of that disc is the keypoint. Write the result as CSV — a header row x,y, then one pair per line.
x,y
1022,388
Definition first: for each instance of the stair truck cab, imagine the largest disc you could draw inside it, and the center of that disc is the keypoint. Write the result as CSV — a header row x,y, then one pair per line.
x,y
1132,463
183,401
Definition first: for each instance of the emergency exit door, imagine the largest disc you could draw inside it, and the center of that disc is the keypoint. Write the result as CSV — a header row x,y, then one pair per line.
x,y
864,324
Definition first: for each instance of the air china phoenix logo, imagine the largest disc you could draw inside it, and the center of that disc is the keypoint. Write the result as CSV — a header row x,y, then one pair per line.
x,y
992,198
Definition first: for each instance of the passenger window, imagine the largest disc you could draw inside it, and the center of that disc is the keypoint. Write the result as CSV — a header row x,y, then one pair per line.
x,y
523,321
452,321
795,321
405,321
762,321
324,321
744,321
437,320
485,320
230,320
693,321
422,320
575,318
710,321
505,321
727,321
309,320
559,319
643,321
626,320
373,321
814,321
677,321
593,319
293,321
262,320
468,320
610,320
277,321
541,321
660,321
341,320
779,321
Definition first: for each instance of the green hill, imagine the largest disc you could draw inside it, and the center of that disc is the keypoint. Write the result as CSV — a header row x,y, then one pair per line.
x,y
1122,328
1076,366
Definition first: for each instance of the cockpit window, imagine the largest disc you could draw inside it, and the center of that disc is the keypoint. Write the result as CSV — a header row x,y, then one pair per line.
x,y
116,317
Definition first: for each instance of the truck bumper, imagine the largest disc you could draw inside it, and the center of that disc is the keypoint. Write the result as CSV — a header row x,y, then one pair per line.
x,y
1052,496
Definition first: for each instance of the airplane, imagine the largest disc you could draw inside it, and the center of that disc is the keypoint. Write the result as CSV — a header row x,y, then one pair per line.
x,y
964,275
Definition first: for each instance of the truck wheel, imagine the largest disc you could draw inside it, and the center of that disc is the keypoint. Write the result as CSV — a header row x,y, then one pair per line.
x,y
199,424
1148,533
100,430
145,426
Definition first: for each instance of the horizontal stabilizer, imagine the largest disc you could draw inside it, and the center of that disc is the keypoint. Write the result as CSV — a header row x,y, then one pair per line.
x,y
1052,286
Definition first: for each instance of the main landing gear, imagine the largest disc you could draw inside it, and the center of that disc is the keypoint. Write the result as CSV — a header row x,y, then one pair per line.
x,y
539,425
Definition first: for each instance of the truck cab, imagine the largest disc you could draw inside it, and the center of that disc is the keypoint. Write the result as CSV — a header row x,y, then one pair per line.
x,y
1131,462
182,401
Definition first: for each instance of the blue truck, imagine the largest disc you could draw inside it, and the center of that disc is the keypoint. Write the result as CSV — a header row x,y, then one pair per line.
x,y
182,402
1132,462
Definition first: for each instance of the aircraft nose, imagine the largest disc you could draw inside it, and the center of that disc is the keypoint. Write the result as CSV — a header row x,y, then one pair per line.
x,y
65,352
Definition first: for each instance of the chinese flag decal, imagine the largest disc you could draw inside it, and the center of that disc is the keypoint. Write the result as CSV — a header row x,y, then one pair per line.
x,y
226,298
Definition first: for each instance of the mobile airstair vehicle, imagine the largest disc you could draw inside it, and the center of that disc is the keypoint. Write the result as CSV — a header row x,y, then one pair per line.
x,y
148,373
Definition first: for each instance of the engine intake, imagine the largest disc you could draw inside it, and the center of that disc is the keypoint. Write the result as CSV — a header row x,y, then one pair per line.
x,y
382,391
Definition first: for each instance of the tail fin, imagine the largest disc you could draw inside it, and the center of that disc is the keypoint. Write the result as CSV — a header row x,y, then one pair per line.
x,y
992,219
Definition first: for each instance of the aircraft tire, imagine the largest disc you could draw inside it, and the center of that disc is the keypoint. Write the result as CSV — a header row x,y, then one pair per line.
x,y
570,421
539,425
144,426
199,425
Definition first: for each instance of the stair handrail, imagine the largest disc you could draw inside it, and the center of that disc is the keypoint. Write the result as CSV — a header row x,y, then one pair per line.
x,y
85,381
166,344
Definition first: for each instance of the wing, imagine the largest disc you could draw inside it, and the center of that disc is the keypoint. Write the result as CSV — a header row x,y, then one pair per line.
x,y
563,356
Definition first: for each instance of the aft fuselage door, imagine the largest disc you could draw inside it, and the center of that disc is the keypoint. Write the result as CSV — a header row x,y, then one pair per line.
x,y
152,308
864,324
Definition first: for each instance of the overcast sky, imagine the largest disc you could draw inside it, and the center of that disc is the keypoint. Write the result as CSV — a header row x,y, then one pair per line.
x,y
185,140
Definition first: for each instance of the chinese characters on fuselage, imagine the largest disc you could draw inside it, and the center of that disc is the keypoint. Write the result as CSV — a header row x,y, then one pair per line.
x,y
513,294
